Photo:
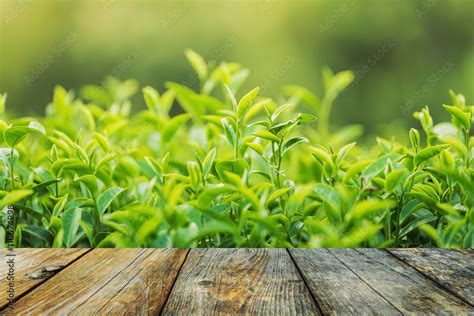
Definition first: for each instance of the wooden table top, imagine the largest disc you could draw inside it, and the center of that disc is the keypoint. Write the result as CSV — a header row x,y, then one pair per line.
x,y
239,281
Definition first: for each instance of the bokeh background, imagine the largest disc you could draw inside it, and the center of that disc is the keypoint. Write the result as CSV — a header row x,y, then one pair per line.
x,y
405,53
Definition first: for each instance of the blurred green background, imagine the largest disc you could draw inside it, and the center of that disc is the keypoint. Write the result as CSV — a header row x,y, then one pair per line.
x,y
405,53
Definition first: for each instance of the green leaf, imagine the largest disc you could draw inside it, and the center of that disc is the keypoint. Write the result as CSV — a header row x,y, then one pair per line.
x,y
280,110
463,117
90,181
231,97
417,223
238,166
415,138
368,208
304,118
152,99
106,198
14,196
394,179
302,94
103,142
325,159
267,135
39,233
59,206
101,163
154,165
410,208
428,153
208,162
332,201
328,194
70,219
284,128
336,83
173,126
194,173
58,240
3,101
197,62
38,127
376,167
343,152
16,134
277,194
208,196
447,161
246,102
292,143
45,184
37,213
255,147
230,128
193,103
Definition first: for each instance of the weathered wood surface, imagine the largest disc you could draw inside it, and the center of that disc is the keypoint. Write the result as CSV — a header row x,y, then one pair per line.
x,y
33,267
454,270
404,287
240,281
107,281
248,281
334,285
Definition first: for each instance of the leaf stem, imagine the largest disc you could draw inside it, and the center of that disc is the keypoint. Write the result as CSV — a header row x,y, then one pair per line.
x,y
12,168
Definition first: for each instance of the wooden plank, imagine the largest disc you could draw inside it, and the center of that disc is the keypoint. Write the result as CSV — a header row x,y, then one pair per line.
x,y
108,281
34,266
336,288
407,289
451,269
240,281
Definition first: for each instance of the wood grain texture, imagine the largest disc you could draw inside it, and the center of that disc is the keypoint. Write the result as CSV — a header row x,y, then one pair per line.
x,y
240,281
33,267
452,269
108,281
407,289
336,288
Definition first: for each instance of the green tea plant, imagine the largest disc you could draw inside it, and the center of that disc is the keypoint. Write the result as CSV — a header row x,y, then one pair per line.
x,y
232,170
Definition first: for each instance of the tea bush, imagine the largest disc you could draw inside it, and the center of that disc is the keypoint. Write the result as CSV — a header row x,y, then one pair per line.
x,y
230,171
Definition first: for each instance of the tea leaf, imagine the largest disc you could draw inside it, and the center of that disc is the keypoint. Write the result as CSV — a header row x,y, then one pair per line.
x,y
293,142
461,116
246,102
106,199
197,62
230,128
428,153
70,219
14,196
267,135
208,162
